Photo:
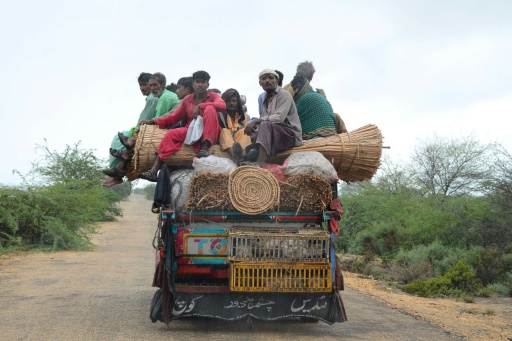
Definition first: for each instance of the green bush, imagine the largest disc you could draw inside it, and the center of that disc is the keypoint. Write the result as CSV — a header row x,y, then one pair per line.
x,y
423,261
490,264
502,288
458,281
56,217
407,270
59,203
123,190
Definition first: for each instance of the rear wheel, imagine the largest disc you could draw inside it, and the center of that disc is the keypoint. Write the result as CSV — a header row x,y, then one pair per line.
x,y
155,310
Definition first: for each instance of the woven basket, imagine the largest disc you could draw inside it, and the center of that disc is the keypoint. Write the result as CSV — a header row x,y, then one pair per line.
x,y
253,190
148,139
355,155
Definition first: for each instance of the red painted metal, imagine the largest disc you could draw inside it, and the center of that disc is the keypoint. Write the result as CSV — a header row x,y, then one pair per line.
x,y
202,289
194,270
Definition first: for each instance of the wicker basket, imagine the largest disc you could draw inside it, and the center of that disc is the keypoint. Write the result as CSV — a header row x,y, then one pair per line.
x,y
355,155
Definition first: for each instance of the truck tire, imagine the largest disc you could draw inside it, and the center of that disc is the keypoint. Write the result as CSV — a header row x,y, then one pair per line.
x,y
155,310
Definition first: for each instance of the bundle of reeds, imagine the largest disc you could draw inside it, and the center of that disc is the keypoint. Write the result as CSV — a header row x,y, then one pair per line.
x,y
148,139
355,155
305,193
209,192
253,190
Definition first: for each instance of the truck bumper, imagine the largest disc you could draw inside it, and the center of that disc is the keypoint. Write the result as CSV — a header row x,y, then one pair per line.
x,y
261,306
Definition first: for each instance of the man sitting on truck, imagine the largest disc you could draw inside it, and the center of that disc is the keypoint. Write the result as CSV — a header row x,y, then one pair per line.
x,y
279,126
233,122
315,112
201,103
122,145
307,70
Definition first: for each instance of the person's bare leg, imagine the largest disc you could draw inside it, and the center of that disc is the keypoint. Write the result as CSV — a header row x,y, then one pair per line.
x,y
131,142
262,156
127,154
156,165
109,182
122,167
230,152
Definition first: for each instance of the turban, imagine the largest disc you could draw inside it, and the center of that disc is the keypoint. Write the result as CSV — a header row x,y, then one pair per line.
x,y
230,93
266,71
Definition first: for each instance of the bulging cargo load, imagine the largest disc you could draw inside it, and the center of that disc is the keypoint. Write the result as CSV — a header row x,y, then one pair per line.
x,y
243,242
354,155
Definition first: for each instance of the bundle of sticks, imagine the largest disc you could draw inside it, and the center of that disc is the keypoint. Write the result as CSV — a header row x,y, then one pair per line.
x,y
305,193
355,155
209,192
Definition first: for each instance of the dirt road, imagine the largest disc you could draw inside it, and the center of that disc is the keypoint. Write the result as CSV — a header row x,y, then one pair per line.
x,y
105,295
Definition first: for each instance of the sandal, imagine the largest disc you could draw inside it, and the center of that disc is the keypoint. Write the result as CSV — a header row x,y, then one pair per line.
x,y
119,155
124,140
252,155
237,153
203,153
113,172
250,147
148,176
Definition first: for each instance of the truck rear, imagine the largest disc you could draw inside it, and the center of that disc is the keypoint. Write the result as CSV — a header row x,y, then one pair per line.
x,y
232,266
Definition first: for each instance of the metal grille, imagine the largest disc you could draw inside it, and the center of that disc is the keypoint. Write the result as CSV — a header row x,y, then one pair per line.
x,y
279,277
298,246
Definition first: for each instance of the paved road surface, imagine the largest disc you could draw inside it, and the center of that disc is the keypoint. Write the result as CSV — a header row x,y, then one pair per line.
x,y
105,295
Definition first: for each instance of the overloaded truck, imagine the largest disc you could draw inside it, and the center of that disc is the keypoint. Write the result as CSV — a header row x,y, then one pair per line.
x,y
252,243
233,265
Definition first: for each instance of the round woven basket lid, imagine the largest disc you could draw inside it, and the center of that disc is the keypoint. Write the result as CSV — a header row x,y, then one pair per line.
x,y
253,190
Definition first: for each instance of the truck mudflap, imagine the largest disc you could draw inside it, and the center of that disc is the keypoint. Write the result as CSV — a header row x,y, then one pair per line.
x,y
261,306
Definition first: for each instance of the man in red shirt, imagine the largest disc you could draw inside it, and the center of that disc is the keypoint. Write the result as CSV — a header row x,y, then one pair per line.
x,y
201,103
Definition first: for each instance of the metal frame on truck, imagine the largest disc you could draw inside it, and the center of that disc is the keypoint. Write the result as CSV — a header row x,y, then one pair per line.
x,y
231,266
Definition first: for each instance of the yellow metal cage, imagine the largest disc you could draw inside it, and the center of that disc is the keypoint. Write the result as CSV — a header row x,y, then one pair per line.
x,y
280,277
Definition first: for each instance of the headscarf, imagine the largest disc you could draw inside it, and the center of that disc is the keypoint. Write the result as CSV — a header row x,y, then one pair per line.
x,y
302,91
233,92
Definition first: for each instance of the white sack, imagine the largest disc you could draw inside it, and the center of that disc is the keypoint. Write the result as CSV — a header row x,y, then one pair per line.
x,y
309,163
180,188
214,164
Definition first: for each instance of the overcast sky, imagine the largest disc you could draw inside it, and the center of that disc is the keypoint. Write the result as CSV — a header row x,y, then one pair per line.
x,y
413,68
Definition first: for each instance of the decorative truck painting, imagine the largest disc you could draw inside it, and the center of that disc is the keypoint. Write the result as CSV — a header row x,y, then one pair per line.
x,y
246,242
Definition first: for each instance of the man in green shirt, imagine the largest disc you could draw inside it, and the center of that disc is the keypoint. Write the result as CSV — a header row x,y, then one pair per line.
x,y
161,102
167,100
315,112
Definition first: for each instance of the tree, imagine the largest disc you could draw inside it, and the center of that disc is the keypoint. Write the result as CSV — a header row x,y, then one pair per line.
x,y
502,179
394,176
74,164
498,231
451,166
